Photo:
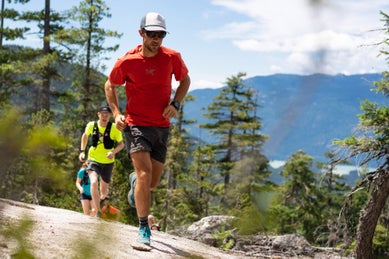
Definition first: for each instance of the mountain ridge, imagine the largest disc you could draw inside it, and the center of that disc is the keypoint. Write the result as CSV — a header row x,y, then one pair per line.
x,y
297,111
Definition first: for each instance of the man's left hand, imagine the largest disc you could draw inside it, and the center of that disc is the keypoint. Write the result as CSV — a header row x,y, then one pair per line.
x,y
169,112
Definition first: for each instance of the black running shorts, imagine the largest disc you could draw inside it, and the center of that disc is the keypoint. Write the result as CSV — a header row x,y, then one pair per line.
x,y
102,170
152,139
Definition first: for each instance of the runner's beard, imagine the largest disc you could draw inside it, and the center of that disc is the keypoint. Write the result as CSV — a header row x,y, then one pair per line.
x,y
153,48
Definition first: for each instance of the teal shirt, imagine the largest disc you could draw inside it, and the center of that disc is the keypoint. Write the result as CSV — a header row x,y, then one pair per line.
x,y
86,187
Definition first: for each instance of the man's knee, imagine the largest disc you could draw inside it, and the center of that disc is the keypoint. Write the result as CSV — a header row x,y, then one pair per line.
x,y
143,177
93,181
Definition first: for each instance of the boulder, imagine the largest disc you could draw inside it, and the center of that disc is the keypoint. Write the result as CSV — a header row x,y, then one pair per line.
x,y
204,229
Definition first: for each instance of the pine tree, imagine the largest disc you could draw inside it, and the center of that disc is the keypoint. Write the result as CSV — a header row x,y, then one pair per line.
x,y
236,126
86,44
14,61
371,143
332,188
299,211
43,68
202,182
11,33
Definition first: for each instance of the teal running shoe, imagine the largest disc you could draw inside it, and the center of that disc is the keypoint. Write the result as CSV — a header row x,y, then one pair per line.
x,y
144,235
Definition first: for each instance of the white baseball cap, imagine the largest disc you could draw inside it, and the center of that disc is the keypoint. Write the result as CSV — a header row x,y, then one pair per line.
x,y
153,22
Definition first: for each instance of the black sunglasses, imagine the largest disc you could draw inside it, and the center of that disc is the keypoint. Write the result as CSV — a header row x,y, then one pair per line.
x,y
153,34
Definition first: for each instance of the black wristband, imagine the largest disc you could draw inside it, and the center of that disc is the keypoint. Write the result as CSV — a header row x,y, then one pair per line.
x,y
82,150
176,105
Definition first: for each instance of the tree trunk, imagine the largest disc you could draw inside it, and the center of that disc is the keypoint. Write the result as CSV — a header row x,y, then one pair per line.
x,y
369,217
45,102
2,23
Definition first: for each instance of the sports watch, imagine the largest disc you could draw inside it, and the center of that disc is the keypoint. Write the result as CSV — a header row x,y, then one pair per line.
x,y
176,104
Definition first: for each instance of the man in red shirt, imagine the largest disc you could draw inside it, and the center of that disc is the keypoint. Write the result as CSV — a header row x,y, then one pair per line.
x,y
146,71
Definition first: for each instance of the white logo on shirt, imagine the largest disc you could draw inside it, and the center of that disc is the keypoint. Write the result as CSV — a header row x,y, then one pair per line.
x,y
150,71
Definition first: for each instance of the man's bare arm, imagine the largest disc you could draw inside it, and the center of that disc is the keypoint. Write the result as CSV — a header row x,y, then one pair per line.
x,y
182,89
113,102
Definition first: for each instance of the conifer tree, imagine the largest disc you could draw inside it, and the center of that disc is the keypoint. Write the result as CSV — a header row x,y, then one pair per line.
x,y
298,210
370,145
86,44
201,180
333,188
14,60
236,127
6,32
43,67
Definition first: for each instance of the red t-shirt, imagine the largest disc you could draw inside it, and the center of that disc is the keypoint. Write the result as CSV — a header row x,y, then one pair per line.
x,y
148,84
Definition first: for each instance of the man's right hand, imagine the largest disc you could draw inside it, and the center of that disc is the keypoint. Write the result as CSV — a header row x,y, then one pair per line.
x,y
81,157
120,122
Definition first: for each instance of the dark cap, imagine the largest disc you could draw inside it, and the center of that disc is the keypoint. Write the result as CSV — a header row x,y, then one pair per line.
x,y
105,109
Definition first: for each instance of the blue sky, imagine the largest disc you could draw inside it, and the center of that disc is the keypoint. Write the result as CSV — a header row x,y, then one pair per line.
x,y
219,38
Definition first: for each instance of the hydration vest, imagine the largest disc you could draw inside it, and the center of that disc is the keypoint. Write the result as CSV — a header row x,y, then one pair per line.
x,y
108,142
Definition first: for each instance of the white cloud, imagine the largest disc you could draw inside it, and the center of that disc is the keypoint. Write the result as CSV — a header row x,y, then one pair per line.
x,y
324,40
305,63
326,37
233,30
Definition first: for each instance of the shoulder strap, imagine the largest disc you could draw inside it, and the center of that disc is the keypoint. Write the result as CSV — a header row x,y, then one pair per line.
x,y
108,129
108,142
95,135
